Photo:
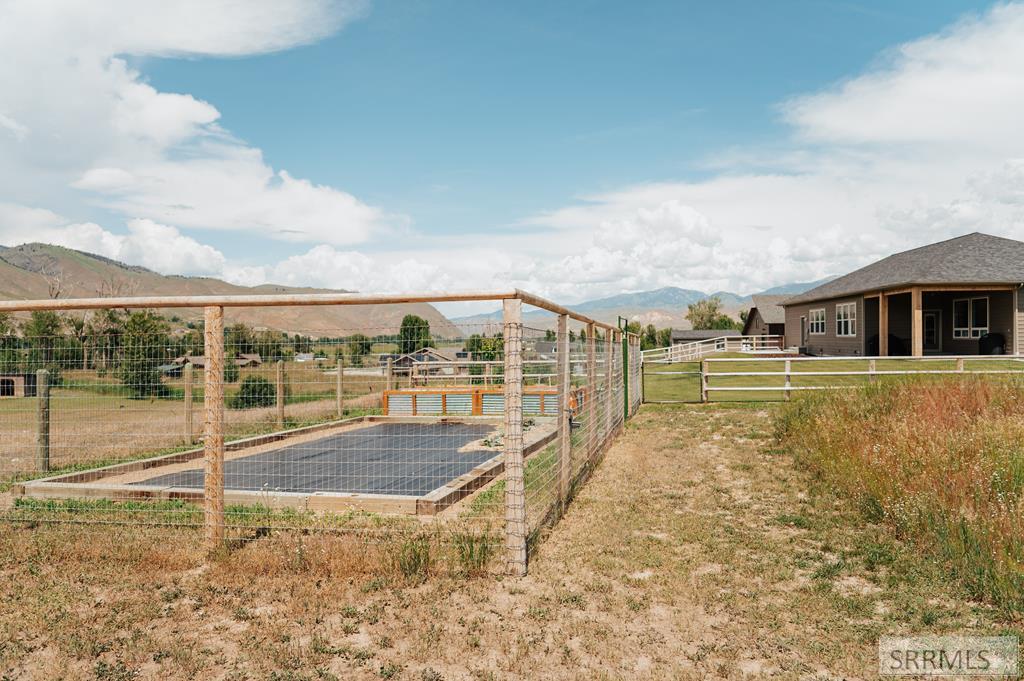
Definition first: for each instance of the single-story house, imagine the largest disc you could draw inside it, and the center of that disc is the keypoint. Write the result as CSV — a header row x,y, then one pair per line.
x,y
17,385
249,359
683,336
426,360
956,297
766,317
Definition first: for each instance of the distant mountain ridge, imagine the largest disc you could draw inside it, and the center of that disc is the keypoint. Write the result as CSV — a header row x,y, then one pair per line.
x,y
33,271
664,307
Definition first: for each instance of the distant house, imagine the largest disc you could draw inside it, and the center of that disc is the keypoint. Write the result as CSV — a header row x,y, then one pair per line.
x,y
961,296
766,317
425,361
249,360
683,336
17,385
173,370
304,357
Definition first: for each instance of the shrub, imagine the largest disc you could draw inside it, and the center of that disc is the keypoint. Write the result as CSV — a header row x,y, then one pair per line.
x,y
413,559
255,391
231,371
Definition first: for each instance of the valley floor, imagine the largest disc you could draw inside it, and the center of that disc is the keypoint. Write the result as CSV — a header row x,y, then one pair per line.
x,y
695,551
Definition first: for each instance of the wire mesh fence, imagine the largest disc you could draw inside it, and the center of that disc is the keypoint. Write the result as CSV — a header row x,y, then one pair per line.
x,y
189,419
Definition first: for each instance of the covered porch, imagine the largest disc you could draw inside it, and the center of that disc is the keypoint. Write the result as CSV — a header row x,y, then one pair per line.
x,y
942,320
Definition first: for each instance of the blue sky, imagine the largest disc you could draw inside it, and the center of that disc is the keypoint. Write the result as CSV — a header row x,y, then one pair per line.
x,y
469,115
577,149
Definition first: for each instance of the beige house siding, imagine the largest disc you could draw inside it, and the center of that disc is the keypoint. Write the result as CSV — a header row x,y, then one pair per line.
x,y
1006,317
828,343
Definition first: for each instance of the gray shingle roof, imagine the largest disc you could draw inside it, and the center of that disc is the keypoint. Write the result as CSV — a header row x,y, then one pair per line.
x,y
768,308
974,258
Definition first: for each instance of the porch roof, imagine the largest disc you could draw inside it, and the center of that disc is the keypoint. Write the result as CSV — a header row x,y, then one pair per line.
x,y
972,259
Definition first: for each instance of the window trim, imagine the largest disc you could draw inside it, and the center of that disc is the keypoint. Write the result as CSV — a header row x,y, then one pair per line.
x,y
812,323
971,332
850,310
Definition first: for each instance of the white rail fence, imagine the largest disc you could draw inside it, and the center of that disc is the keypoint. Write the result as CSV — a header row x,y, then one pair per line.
x,y
689,352
785,375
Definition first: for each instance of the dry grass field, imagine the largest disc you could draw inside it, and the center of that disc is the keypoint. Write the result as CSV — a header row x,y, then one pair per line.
x,y
92,425
697,550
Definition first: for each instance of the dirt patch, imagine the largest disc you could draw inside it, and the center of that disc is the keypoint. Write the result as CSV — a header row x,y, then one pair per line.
x,y
659,570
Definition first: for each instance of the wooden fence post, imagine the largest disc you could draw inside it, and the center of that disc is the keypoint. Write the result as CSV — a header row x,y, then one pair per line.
x,y
872,367
280,394
703,380
609,383
43,420
515,492
390,374
213,427
564,413
591,394
788,379
487,373
188,376
960,364
339,387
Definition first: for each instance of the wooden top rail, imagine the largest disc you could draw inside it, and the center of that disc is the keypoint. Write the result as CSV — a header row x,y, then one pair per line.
x,y
879,372
292,299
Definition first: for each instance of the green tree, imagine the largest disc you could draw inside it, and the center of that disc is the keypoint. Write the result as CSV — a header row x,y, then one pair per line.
x,y
239,339
255,391
413,334
44,336
707,314
664,338
359,346
145,342
649,338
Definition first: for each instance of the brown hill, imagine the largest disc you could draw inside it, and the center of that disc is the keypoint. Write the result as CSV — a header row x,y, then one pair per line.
x,y
34,271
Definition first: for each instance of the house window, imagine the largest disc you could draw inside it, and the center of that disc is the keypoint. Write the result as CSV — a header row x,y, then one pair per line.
x,y
816,322
970,317
846,319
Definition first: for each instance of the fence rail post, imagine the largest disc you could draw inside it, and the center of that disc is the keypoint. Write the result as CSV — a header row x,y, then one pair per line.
x,y
591,396
609,384
564,413
339,386
390,374
960,364
789,383
515,492
703,380
280,394
872,367
43,420
188,376
213,427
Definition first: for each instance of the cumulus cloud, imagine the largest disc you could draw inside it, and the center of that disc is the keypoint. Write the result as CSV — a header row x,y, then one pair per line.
x,y
97,130
923,146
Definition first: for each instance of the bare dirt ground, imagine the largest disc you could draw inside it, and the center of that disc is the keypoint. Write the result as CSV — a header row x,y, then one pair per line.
x,y
694,552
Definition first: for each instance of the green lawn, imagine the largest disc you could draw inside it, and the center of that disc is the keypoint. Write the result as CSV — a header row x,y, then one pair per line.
x,y
681,381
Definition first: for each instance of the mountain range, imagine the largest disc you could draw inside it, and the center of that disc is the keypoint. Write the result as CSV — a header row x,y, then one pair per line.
x,y
33,271
663,307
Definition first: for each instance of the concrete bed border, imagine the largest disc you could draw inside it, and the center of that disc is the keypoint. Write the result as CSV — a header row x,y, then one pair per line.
x,y
88,484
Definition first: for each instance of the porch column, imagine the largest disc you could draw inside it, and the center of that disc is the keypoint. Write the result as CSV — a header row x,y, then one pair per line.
x,y
883,325
917,323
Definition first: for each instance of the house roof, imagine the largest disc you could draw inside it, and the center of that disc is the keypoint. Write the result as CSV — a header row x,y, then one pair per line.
x,y
769,307
974,258
686,335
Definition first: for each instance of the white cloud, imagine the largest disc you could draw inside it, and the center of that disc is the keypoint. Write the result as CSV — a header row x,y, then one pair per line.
x,y
96,130
923,146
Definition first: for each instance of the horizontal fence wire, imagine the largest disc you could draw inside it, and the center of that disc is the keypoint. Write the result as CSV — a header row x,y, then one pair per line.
x,y
376,431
